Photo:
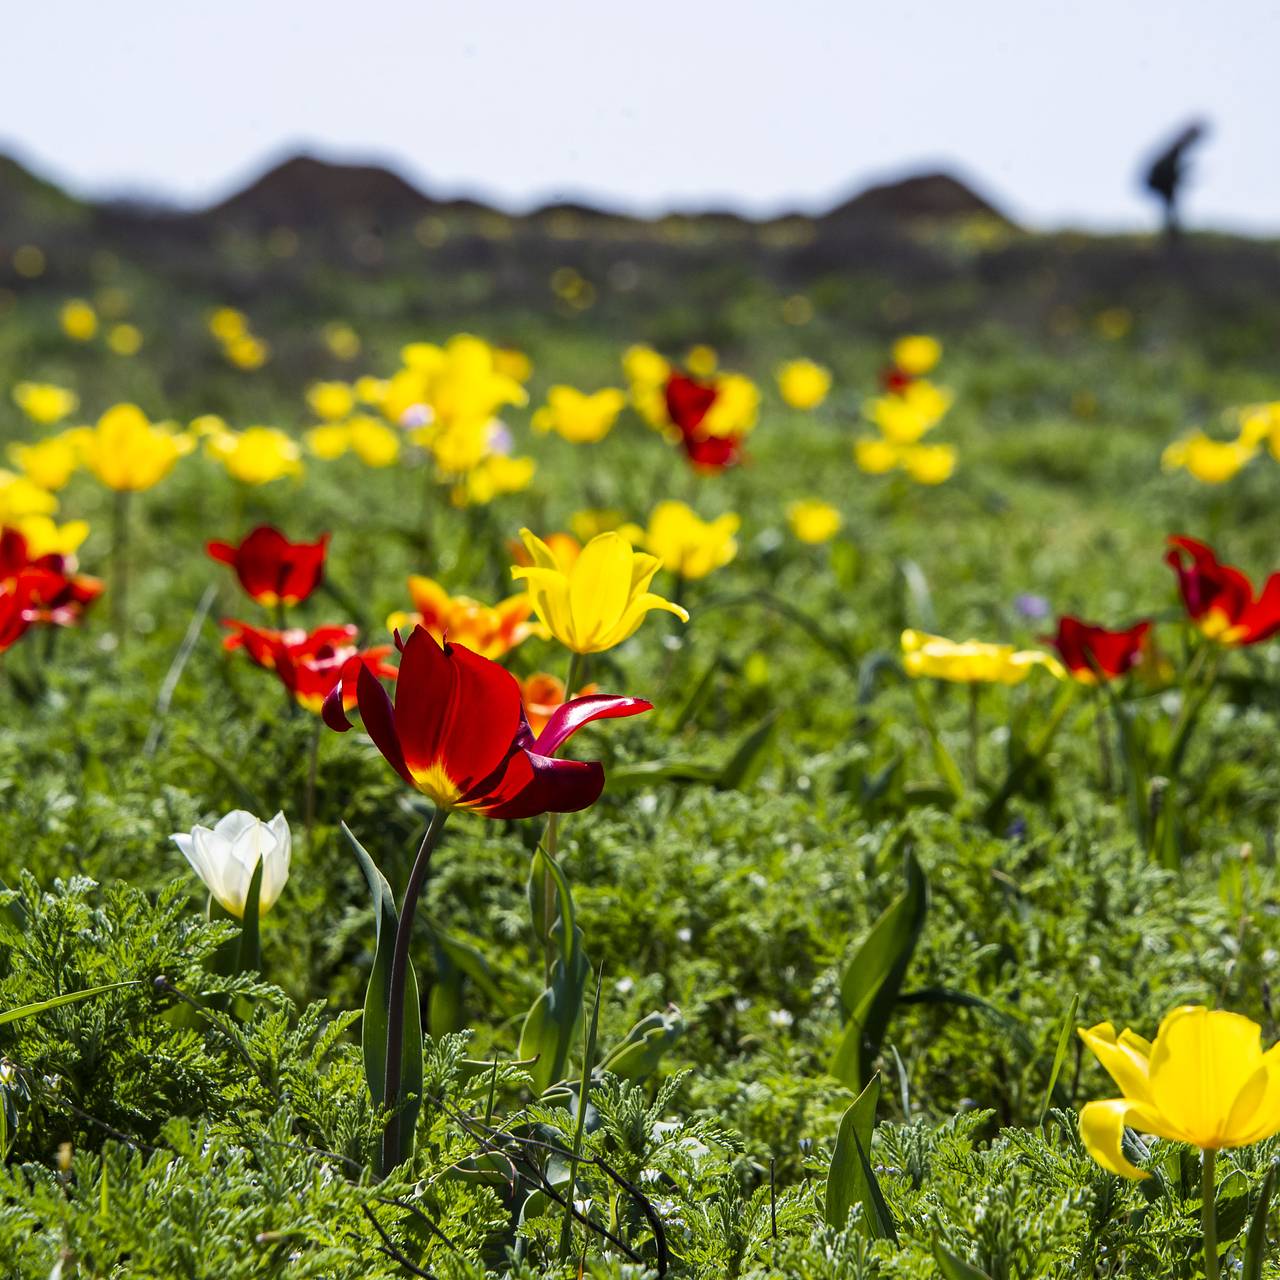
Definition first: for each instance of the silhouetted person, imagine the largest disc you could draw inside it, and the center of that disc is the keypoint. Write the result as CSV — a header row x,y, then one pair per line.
x,y
1168,173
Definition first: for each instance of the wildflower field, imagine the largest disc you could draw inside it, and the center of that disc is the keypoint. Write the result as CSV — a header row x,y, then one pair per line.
x,y
913,629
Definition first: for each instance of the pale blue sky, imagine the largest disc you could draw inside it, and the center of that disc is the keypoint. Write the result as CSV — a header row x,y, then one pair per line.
x,y
1043,104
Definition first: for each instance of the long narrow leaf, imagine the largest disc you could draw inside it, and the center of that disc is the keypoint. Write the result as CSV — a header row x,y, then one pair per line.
x,y
851,1179
1059,1056
1255,1246
73,997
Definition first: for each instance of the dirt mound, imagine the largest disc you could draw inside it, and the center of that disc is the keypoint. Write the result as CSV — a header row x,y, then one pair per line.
x,y
927,196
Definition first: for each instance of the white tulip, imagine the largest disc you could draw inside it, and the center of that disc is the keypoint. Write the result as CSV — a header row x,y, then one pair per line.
x,y
224,858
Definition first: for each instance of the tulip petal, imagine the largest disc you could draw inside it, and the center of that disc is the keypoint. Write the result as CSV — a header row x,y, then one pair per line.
x,y
1122,1059
1262,1119
600,585
568,718
1102,1126
378,716
1201,1062
539,784
630,621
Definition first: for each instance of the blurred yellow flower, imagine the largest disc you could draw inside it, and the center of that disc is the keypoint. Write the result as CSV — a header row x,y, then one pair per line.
x,y
686,544
1209,461
645,365
916,353
227,324
332,401
459,385
21,497
813,520
370,390
804,384
597,602
372,441
929,463
79,320
1205,1081
593,520
329,441
256,455
50,462
491,477
972,661
129,453
47,538
512,363
875,456
578,416
124,339
342,340
735,408
701,361
903,417
44,403
247,352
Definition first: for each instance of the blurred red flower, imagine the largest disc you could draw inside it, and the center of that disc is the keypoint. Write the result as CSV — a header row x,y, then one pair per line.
x,y
1219,598
1088,650
272,569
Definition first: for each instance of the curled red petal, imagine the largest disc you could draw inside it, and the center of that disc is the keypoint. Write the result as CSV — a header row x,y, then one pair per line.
x,y
540,784
570,716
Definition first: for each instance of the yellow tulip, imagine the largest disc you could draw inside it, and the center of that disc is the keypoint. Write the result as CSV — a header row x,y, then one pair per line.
x,y
686,544
735,408
580,417
128,453
50,462
1261,422
247,352
342,340
1205,1081
329,441
79,320
597,602
1209,461
701,361
929,463
124,339
512,363
332,401
875,456
44,403
372,441
21,497
46,538
813,520
916,353
491,477
647,372
804,384
257,455
905,416
972,661
227,324
371,391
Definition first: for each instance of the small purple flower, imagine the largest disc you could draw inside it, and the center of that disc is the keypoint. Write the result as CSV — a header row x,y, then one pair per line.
x,y
1032,607
500,438
417,415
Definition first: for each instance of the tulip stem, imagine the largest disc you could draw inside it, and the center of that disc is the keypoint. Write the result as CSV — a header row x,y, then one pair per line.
x,y
1209,1215
1105,772
975,692
392,1152
312,766
120,564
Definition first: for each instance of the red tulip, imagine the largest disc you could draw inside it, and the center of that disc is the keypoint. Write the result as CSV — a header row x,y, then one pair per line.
x,y
894,380
688,402
1219,598
15,618
272,569
47,587
458,732
713,453
1088,650
309,664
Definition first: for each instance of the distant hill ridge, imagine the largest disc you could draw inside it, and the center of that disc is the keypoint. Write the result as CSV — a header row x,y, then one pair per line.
x,y
306,192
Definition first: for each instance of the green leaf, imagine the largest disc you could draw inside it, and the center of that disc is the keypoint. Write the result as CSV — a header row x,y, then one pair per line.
x,y
548,1030
745,765
1255,1246
373,1031
918,595
1059,1056
456,962
1231,1206
637,1055
873,977
249,951
941,756
851,1179
953,1268
73,997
